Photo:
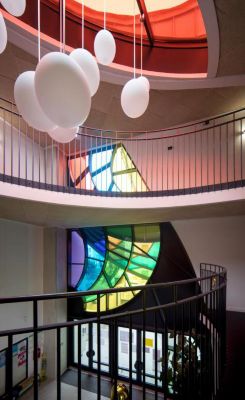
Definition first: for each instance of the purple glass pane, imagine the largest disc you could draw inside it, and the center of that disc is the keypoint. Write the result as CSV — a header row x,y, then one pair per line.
x,y
77,249
77,258
76,272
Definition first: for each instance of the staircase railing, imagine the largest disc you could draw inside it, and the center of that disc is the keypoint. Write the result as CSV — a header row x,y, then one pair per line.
x,y
187,344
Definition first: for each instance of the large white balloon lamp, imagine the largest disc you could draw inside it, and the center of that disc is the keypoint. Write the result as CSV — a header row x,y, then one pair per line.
x,y
89,67
14,7
62,90
144,81
3,34
63,135
105,47
134,98
27,103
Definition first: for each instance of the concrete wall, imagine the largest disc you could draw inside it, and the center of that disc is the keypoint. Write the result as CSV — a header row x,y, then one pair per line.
x,y
32,261
218,241
21,273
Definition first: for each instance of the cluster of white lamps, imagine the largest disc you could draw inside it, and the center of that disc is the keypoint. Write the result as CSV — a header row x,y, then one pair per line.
x,y
56,98
16,8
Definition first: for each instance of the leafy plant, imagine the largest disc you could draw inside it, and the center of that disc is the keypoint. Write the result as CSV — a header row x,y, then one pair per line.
x,y
183,364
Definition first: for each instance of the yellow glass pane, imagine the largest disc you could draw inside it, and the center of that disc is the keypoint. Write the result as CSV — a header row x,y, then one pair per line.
x,y
121,160
92,305
136,280
130,182
147,233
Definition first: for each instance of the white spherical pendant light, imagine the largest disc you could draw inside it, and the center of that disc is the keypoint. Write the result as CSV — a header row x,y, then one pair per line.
x,y
15,7
105,47
63,135
89,67
134,98
3,34
144,81
62,90
27,103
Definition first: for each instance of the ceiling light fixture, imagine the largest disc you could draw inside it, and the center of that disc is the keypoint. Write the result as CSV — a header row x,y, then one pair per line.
x,y
104,44
135,93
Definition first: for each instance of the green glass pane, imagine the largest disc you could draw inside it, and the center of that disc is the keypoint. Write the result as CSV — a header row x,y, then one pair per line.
x,y
114,268
123,249
154,250
120,232
142,260
100,284
147,233
140,271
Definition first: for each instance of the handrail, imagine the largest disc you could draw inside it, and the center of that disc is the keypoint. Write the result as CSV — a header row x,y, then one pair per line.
x,y
48,296
143,132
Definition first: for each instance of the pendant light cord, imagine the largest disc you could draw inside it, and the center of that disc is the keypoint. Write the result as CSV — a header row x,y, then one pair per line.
x,y
39,29
104,14
141,43
64,26
82,24
134,43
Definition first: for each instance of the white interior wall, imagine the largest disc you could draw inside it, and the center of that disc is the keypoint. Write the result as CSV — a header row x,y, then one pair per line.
x,y
218,241
23,157
21,274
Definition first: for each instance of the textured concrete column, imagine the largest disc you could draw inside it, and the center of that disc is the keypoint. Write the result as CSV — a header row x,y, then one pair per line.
x,y
54,280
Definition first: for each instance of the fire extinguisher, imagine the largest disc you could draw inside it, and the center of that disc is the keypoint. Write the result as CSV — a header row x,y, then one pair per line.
x,y
43,367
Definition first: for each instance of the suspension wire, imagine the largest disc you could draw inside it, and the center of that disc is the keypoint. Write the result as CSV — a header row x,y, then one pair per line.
x,y
39,29
141,44
64,25
61,38
134,42
82,24
104,14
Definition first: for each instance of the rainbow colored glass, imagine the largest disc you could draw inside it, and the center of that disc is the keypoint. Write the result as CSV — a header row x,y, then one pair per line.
x,y
106,168
113,257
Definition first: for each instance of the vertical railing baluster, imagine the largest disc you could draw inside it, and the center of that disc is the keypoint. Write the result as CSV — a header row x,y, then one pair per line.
x,y
58,367
130,356
234,147
79,365
9,367
35,346
33,169
143,347
98,349
12,147
156,352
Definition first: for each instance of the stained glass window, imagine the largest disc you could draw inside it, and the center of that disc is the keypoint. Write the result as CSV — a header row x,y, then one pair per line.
x,y
113,257
106,168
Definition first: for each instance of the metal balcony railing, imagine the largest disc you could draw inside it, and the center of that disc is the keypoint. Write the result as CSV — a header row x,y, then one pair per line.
x,y
193,158
188,333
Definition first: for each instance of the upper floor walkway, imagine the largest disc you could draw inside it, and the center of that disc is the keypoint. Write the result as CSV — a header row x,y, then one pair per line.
x,y
160,173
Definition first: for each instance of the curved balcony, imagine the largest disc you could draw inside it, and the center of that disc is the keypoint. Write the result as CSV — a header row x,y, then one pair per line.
x,y
105,177
206,156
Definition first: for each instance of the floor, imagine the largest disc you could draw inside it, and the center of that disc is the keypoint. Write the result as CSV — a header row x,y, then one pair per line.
x,y
47,391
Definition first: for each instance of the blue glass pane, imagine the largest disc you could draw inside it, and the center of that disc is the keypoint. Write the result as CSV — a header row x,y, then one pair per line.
x,y
99,159
96,237
103,180
92,270
92,253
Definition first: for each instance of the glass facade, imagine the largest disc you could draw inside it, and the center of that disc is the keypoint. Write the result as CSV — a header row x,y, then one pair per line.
x,y
106,168
112,257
